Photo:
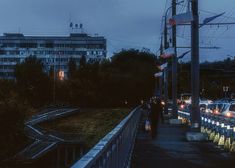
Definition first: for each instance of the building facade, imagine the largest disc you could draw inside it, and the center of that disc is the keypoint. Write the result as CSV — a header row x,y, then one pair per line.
x,y
53,51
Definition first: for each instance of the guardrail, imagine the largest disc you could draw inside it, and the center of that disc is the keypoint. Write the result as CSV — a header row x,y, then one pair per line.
x,y
115,149
220,130
51,115
44,141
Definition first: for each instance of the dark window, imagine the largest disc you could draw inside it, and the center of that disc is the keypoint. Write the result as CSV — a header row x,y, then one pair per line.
x,y
49,45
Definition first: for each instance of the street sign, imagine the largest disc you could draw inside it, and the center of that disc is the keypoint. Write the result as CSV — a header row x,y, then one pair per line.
x,y
159,74
225,88
163,66
181,18
169,52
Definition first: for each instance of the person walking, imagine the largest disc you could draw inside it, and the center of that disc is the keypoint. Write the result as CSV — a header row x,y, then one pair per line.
x,y
155,114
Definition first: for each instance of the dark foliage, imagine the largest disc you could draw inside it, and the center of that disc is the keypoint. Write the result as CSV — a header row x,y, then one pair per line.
x,y
213,76
32,82
127,77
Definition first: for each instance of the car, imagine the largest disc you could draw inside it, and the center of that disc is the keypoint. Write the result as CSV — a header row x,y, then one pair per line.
x,y
217,107
184,98
203,103
229,110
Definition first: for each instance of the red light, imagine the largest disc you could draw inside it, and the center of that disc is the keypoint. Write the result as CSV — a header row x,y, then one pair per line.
x,y
228,114
181,106
216,111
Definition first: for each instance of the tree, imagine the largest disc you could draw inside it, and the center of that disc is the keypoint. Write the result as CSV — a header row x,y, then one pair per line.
x,y
82,62
12,114
72,68
32,82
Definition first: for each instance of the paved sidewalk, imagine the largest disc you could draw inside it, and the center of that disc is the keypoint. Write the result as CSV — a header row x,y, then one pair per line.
x,y
171,150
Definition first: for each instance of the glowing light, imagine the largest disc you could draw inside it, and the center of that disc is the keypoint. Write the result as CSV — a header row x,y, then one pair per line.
x,y
181,106
216,111
228,114
61,75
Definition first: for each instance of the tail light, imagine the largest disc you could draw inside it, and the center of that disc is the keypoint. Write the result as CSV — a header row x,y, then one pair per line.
x,y
228,114
216,111
181,106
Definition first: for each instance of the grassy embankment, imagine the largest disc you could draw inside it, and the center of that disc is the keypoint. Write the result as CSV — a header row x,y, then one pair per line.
x,y
90,124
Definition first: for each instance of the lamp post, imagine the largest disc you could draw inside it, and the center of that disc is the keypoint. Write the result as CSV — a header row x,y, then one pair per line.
x,y
195,111
225,90
174,61
174,66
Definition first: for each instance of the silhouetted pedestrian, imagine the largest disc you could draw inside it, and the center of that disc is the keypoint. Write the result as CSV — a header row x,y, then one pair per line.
x,y
155,113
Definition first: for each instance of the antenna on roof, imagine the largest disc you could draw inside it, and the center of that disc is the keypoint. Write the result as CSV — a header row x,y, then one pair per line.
x,y
81,28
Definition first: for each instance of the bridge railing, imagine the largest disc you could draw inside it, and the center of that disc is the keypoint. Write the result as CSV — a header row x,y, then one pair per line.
x,y
115,149
220,129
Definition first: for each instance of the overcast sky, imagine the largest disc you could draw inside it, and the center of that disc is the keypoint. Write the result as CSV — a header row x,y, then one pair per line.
x,y
125,23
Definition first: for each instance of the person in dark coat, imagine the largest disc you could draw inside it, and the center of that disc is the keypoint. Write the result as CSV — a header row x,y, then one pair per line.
x,y
155,114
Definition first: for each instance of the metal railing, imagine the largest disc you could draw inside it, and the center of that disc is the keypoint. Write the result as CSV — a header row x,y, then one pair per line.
x,y
220,129
115,149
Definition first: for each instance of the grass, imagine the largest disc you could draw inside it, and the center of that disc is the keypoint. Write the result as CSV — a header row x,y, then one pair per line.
x,y
90,124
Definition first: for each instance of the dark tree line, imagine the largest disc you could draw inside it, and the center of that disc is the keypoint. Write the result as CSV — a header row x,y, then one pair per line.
x,y
128,76
213,76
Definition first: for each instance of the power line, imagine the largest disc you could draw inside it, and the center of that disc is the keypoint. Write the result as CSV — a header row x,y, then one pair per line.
x,y
222,20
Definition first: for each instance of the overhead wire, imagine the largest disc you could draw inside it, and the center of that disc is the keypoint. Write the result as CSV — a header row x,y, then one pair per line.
x,y
223,19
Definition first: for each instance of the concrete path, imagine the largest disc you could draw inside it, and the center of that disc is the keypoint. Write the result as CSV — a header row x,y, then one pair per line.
x,y
171,150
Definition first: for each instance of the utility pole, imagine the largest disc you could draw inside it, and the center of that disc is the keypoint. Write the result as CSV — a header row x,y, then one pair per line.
x,y
160,78
195,111
174,66
165,78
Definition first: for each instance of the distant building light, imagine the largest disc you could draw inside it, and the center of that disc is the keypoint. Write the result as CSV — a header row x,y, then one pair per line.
x,y
61,75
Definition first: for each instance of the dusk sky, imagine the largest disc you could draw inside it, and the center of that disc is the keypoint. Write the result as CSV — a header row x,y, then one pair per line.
x,y
125,23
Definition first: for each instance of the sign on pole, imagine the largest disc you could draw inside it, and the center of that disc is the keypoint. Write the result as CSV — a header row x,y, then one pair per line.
x,y
169,52
163,66
181,18
159,74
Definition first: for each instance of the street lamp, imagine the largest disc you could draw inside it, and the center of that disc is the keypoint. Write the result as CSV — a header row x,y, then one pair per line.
x,y
175,60
166,44
225,90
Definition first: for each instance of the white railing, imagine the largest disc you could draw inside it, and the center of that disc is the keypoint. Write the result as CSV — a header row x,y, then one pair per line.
x,y
115,149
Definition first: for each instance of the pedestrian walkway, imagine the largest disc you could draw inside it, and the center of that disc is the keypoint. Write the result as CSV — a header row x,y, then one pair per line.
x,y
171,150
